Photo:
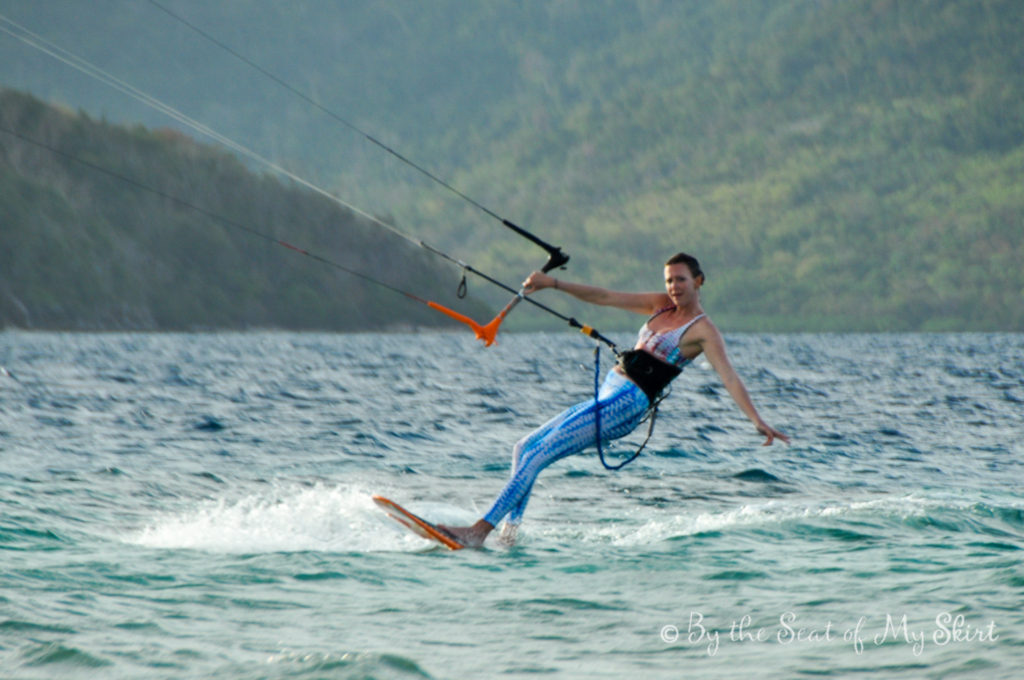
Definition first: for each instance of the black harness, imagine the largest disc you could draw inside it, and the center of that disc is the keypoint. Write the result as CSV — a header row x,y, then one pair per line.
x,y
649,372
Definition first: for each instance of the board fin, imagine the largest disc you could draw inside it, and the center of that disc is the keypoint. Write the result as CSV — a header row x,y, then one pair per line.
x,y
416,524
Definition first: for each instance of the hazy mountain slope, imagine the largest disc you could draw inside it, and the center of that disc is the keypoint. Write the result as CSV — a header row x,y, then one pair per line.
x,y
93,238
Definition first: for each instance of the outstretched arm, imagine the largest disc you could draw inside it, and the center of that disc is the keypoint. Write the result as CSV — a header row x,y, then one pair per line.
x,y
713,346
641,303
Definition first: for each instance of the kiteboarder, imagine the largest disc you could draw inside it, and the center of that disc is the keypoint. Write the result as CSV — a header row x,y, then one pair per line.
x,y
676,332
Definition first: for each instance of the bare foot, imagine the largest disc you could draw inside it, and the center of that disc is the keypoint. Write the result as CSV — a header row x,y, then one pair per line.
x,y
471,537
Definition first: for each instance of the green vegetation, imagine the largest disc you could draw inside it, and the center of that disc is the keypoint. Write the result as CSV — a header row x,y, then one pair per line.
x,y
835,164
84,249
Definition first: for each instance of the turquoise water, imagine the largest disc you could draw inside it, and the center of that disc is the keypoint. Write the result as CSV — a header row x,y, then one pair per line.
x,y
197,506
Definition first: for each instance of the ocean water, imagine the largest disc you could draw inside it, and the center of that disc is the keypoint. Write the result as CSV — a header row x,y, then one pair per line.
x,y
198,506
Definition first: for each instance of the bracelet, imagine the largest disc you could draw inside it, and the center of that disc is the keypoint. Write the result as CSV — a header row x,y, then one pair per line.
x,y
556,283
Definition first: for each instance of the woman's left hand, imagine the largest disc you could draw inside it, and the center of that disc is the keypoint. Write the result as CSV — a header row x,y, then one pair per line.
x,y
771,434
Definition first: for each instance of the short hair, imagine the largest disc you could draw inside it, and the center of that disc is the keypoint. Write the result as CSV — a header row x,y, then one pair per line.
x,y
690,261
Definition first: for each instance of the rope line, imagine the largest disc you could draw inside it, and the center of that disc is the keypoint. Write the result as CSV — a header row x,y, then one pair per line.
x,y
557,257
485,332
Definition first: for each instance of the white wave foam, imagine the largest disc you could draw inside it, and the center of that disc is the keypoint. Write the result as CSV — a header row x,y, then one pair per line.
x,y
320,518
765,514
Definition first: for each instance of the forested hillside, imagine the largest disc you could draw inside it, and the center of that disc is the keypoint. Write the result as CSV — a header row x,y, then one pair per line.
x,y
106,227
835,164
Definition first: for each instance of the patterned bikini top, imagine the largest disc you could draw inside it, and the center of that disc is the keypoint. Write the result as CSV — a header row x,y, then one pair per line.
x,y
664,344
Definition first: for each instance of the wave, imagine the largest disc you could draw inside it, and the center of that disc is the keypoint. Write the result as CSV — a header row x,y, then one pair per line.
x,y
354,665
848,520
54,654
315,518
325,518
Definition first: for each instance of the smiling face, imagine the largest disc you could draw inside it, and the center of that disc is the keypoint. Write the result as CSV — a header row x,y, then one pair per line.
x,y
681,285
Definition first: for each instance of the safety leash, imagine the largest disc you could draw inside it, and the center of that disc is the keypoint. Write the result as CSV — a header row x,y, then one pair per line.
x,y
653,411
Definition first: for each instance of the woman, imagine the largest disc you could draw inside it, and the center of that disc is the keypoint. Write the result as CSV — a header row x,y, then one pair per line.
x,y
676,333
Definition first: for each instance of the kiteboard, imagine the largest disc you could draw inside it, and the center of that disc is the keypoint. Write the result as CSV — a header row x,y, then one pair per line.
x,y
415,523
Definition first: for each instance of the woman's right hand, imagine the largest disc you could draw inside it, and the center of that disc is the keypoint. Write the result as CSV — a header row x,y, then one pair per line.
x,y
538,281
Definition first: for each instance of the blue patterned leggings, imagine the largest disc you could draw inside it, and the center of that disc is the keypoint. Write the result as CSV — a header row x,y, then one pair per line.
x,y
623,405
